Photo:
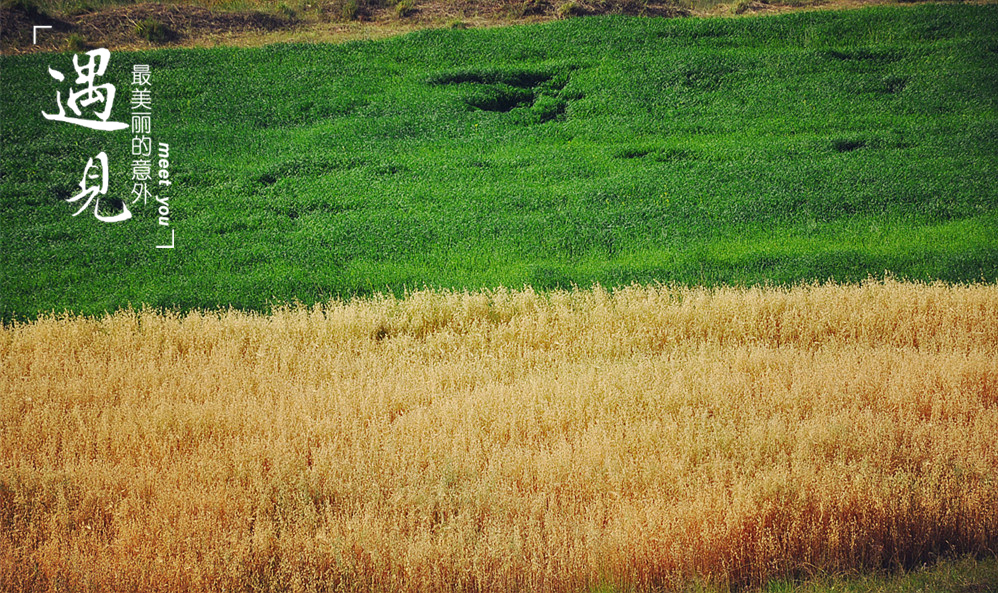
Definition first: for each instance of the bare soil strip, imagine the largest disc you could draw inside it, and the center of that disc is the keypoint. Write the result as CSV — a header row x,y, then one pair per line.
x,y
194,25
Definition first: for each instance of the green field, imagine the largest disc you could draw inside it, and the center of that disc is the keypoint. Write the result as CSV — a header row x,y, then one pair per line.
x,y
611,150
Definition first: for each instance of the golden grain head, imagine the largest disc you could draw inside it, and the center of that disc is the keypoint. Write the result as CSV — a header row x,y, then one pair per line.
x,y
501,440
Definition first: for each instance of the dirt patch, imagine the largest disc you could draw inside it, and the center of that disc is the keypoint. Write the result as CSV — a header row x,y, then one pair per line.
x,y
118,25
190,25
115,27
17,22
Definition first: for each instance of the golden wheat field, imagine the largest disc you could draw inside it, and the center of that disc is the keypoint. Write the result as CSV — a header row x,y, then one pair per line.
x,y
502,440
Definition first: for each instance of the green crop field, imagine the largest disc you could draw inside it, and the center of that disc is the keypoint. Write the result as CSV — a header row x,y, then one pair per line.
x,y
610,150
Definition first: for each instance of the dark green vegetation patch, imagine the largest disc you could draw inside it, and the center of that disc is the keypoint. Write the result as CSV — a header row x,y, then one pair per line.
x,y
801,147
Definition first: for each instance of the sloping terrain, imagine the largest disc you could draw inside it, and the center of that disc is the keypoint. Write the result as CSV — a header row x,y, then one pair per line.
x,y
606,150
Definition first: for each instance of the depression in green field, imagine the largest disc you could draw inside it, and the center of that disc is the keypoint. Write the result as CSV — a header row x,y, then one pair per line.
x,y
606,150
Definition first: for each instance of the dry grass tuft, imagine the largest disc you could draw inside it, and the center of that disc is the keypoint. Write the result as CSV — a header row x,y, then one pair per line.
x,y
501,441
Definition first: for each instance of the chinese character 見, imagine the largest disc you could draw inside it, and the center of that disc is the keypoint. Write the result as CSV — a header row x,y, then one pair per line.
x,y
92,191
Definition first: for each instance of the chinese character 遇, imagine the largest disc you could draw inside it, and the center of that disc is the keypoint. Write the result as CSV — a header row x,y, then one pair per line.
x,y
88,95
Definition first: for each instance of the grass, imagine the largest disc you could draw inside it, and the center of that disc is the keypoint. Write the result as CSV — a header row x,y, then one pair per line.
x,y
509,440
152,30
610,150
965,575
76,43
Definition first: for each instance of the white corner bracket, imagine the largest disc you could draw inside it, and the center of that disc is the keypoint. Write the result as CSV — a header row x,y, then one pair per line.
x,y
34,32
173,237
